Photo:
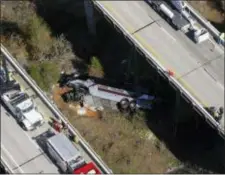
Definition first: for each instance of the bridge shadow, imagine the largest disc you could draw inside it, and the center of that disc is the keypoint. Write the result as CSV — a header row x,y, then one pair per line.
x,y
198,145
195,142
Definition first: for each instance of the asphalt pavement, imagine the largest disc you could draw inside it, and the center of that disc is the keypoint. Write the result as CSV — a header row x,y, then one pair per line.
x,y
198,67
19,151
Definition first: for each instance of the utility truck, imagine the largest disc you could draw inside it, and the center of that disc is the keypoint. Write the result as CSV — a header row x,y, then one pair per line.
x,y
176,14
88,91
23,109
172,16
66,155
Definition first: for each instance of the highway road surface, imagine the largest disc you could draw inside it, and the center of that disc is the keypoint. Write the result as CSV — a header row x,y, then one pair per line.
x,y
198,67
19,151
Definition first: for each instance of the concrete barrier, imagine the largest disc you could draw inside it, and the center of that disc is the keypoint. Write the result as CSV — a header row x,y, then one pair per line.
x,y
6,167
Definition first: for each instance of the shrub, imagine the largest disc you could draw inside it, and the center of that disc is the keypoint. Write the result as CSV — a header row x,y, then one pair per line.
x,y
61,49
45,74
95,63
21,19
95,67
38,38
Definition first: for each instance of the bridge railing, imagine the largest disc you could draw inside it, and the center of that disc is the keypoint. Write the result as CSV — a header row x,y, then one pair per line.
x,y
13,62
163,71
6,167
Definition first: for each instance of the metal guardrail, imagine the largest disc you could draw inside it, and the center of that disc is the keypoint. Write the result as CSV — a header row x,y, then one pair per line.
x,y
172,80
214,32
6,167
104,168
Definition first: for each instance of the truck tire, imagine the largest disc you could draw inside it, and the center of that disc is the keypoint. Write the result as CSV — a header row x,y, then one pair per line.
x,y
22,126
124,104
67,97
83,90
132,106
155,7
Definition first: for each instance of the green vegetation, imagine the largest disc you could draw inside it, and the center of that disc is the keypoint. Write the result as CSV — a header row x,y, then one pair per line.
x,y
95,63
95,67
38,38
45,74
29,38
43,46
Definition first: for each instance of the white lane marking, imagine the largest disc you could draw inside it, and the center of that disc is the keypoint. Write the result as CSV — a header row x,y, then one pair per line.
x,y
11,157
168,34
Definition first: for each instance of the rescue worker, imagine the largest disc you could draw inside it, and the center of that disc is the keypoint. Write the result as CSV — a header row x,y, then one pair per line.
x,y
81,101
66,131
220,111
62,78
219,114
57,126
212,111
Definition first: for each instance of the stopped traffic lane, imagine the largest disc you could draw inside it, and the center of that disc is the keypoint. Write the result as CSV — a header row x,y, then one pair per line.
x,y
19,151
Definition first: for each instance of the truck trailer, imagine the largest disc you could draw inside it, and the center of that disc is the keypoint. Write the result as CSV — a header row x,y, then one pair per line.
x,y
67,156
176,14
172,16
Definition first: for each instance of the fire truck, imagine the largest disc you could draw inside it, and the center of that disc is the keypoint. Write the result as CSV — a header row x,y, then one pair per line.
x,y
98,95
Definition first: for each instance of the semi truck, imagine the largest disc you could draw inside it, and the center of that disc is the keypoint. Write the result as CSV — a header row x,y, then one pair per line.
x,y
172,16
175,13
67,156
23,109
88,90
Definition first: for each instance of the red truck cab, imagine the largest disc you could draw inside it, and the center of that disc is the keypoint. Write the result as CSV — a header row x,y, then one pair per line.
x,y
88,168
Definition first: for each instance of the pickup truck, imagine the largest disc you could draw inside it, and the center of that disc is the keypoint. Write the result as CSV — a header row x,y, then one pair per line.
x,y
23,109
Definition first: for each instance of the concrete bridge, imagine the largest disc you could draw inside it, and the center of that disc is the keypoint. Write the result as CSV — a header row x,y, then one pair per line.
x,y
198,68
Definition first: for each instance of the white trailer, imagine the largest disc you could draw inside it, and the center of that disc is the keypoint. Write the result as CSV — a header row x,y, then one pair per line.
x,y
172,16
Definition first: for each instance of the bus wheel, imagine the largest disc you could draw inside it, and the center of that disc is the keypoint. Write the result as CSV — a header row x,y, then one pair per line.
x,y
22,126
132,106
124,104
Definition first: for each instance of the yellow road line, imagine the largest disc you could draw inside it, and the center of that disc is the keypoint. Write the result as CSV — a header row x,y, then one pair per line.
x,y
146,45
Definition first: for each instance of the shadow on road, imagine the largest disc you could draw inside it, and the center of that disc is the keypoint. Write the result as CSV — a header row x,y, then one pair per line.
x,y
197,145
